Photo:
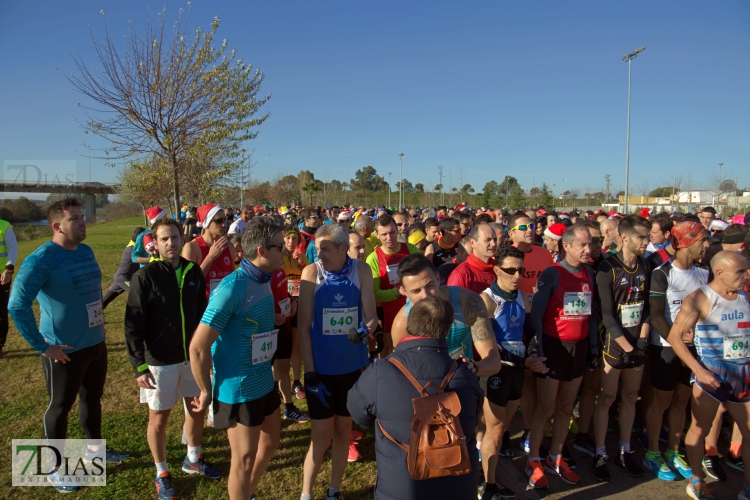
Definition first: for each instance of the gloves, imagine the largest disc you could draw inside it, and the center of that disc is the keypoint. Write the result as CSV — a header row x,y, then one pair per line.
x,y
593,359
314,387
533,347
634,358
359,335
642,344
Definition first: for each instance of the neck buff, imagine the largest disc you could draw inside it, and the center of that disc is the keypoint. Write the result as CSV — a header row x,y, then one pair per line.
x,y
309,230
254,272
507,296
663,245
477,263
339,275
443,245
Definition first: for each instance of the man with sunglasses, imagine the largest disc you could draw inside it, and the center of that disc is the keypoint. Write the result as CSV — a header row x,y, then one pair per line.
x,y
536,259
443,249
212,250
310,223
402,224
246,215
565,333
508,308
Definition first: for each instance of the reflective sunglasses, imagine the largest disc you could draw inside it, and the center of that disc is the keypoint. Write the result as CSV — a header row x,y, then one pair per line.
x,y
524,227
399,224
513,270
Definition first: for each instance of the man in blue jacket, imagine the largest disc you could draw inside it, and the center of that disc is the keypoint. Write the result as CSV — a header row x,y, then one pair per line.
x,y
64,277
384,393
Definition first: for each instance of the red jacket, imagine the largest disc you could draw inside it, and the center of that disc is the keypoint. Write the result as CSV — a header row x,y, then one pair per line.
x,y
473,274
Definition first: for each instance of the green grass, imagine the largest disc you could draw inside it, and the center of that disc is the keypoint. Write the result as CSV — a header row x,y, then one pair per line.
x,y
23,400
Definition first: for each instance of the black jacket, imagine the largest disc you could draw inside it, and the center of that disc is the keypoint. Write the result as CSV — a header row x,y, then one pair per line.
x,y
154,328
384,393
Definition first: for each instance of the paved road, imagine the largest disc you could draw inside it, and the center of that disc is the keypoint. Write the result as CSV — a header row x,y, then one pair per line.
x,y
511,473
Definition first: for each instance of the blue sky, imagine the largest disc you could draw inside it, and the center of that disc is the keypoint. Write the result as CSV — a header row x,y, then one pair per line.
x,y
536,90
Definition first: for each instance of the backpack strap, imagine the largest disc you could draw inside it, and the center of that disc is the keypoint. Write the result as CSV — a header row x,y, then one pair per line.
x,y
407,374
450,374
390,438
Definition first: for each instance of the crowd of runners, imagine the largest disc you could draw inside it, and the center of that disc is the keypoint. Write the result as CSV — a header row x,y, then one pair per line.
x,y
589,323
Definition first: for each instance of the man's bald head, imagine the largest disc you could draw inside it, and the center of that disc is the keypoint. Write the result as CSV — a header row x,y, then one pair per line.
x,y
730,269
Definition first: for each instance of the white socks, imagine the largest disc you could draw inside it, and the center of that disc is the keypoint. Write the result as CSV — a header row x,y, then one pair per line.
x,y
161,467
193,452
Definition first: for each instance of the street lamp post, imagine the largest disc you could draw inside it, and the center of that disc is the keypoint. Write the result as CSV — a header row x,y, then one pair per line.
x,y
401,181
629,58
389,190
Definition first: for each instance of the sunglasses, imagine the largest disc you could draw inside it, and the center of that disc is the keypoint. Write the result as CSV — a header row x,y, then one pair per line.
x,y
524,227
597,240
399,224
219,221
455,231
280,246
513,270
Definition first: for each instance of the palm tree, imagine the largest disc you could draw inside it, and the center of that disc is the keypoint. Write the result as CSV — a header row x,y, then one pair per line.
x,y
311,187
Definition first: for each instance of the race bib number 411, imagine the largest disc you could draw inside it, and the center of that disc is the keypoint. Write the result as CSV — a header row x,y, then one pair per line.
x,y
339,321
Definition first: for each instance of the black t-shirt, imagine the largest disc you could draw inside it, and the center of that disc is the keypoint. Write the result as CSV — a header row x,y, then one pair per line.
x,y
442,255
623,295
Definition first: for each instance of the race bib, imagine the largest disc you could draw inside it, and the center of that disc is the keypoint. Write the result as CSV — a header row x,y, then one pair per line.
x,y
577,304
264,346
293,287
392,274
286,307
515,348
456,353
212,284
737,346
630,314
95,313
339,321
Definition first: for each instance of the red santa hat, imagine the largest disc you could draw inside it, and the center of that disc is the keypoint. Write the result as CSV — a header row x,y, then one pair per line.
x,y
206,213
645,212
461,206
565,215
148,241
155,213
555,231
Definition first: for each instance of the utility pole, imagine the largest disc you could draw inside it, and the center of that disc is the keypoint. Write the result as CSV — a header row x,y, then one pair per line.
x,y
606,178
442,196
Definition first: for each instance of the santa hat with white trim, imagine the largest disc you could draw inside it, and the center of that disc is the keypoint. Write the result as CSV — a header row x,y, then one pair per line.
x,y
555,231
155,213
206,213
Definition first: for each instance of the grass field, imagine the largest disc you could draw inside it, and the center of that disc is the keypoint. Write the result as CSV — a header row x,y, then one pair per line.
x,y
23,400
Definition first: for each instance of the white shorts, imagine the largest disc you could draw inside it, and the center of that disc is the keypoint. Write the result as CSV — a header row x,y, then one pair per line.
x,y
172,382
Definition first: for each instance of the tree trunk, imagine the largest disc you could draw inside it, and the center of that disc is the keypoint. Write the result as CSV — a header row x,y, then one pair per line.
x,y
176,184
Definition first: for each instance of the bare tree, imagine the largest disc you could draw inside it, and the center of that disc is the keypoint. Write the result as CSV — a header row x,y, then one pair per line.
x,y
170,96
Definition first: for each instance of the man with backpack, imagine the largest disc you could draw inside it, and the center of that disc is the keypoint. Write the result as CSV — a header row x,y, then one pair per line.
x,y
384,397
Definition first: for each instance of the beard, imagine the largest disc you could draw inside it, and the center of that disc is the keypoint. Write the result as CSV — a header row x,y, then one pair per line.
x,y
403,237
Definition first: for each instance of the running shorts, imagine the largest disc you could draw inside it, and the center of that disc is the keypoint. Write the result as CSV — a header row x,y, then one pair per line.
x,y
566,360
735,387
612,353
667,370
250,413
171,383
338,386
506,385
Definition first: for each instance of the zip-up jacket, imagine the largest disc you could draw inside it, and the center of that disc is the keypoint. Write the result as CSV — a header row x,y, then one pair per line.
x,y
164,308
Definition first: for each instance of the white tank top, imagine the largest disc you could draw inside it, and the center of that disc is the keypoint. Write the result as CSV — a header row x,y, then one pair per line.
x,y
725,333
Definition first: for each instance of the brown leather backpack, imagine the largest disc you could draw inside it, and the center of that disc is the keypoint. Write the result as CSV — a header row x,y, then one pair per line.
x,y
437,446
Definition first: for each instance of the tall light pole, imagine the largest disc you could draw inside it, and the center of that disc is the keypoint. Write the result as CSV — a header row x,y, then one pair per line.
x,y
389,190
401,181
629,58
720,165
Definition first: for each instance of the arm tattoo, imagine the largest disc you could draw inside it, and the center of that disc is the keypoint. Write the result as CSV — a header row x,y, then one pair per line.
x,y
475,313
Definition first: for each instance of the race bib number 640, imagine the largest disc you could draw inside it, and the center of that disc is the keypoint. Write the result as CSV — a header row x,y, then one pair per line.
x,y
340,320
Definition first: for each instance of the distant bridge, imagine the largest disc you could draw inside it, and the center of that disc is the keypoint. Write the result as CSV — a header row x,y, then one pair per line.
x,y
87,191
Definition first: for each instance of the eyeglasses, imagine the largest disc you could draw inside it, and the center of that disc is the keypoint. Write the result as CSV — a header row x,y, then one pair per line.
x,y
513,270
524,227
280,246
597,240
220,221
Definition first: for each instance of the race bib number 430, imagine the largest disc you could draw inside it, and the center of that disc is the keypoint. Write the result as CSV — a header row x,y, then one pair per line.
x,y
339,321
630,314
